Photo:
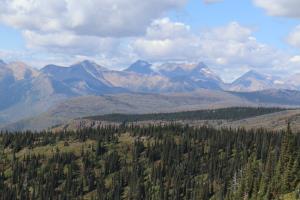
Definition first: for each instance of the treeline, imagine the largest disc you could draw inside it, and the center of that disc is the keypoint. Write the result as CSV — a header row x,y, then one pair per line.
x,y
153,162
234,113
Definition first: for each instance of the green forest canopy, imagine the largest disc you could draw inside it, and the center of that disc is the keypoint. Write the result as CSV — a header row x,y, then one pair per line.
x,y
153,162
234,113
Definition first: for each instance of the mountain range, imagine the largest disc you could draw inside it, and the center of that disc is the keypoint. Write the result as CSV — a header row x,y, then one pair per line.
x,y
76,90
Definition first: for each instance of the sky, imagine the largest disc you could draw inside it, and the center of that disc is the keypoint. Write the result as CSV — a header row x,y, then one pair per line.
x,y
230,36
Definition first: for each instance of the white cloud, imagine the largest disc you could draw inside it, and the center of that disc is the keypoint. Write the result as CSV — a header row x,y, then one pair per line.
x,y
165,29
90,28
295,59
229,47
13,55
233,32
112,18
286,8
175,41
119,31
166,40
69,43
294,37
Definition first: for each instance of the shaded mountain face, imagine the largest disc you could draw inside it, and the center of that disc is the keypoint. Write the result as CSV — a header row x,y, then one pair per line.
x,y
4,72
22,71
27,92
193,75
254,81
26,97
129,103
140,77
84,78
14,82
168,77
272,96
79,107
18,70
137,82
2,63
140,67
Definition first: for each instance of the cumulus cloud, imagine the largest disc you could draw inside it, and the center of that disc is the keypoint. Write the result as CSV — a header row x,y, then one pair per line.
x,y
97,28
169,40
295,59
232,31
294,37
69,43
286,8
118,31
166,40
232,46
283,8
112,18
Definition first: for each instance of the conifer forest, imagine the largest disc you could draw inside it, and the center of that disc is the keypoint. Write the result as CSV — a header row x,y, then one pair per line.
x,y
150,162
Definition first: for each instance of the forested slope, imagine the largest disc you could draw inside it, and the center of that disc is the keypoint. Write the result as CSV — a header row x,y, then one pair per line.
x,y
153,162
231,113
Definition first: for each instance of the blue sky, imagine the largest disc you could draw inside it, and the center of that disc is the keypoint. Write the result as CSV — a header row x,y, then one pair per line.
x,y
10,38
271,30
258,34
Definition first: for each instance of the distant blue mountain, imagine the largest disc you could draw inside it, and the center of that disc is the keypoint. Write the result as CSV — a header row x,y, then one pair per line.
x,y
195,76
83,78
2,63
26,92
254,81
141,67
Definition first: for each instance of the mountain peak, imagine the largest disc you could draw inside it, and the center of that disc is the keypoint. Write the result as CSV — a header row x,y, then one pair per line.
x,y
201,65
256,75
22,70
84,63
89,65
142,63
252,72
87,62
141,67
253,81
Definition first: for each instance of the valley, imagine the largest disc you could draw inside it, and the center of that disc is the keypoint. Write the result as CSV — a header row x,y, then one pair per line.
x,y
272,119
149,100
178,132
